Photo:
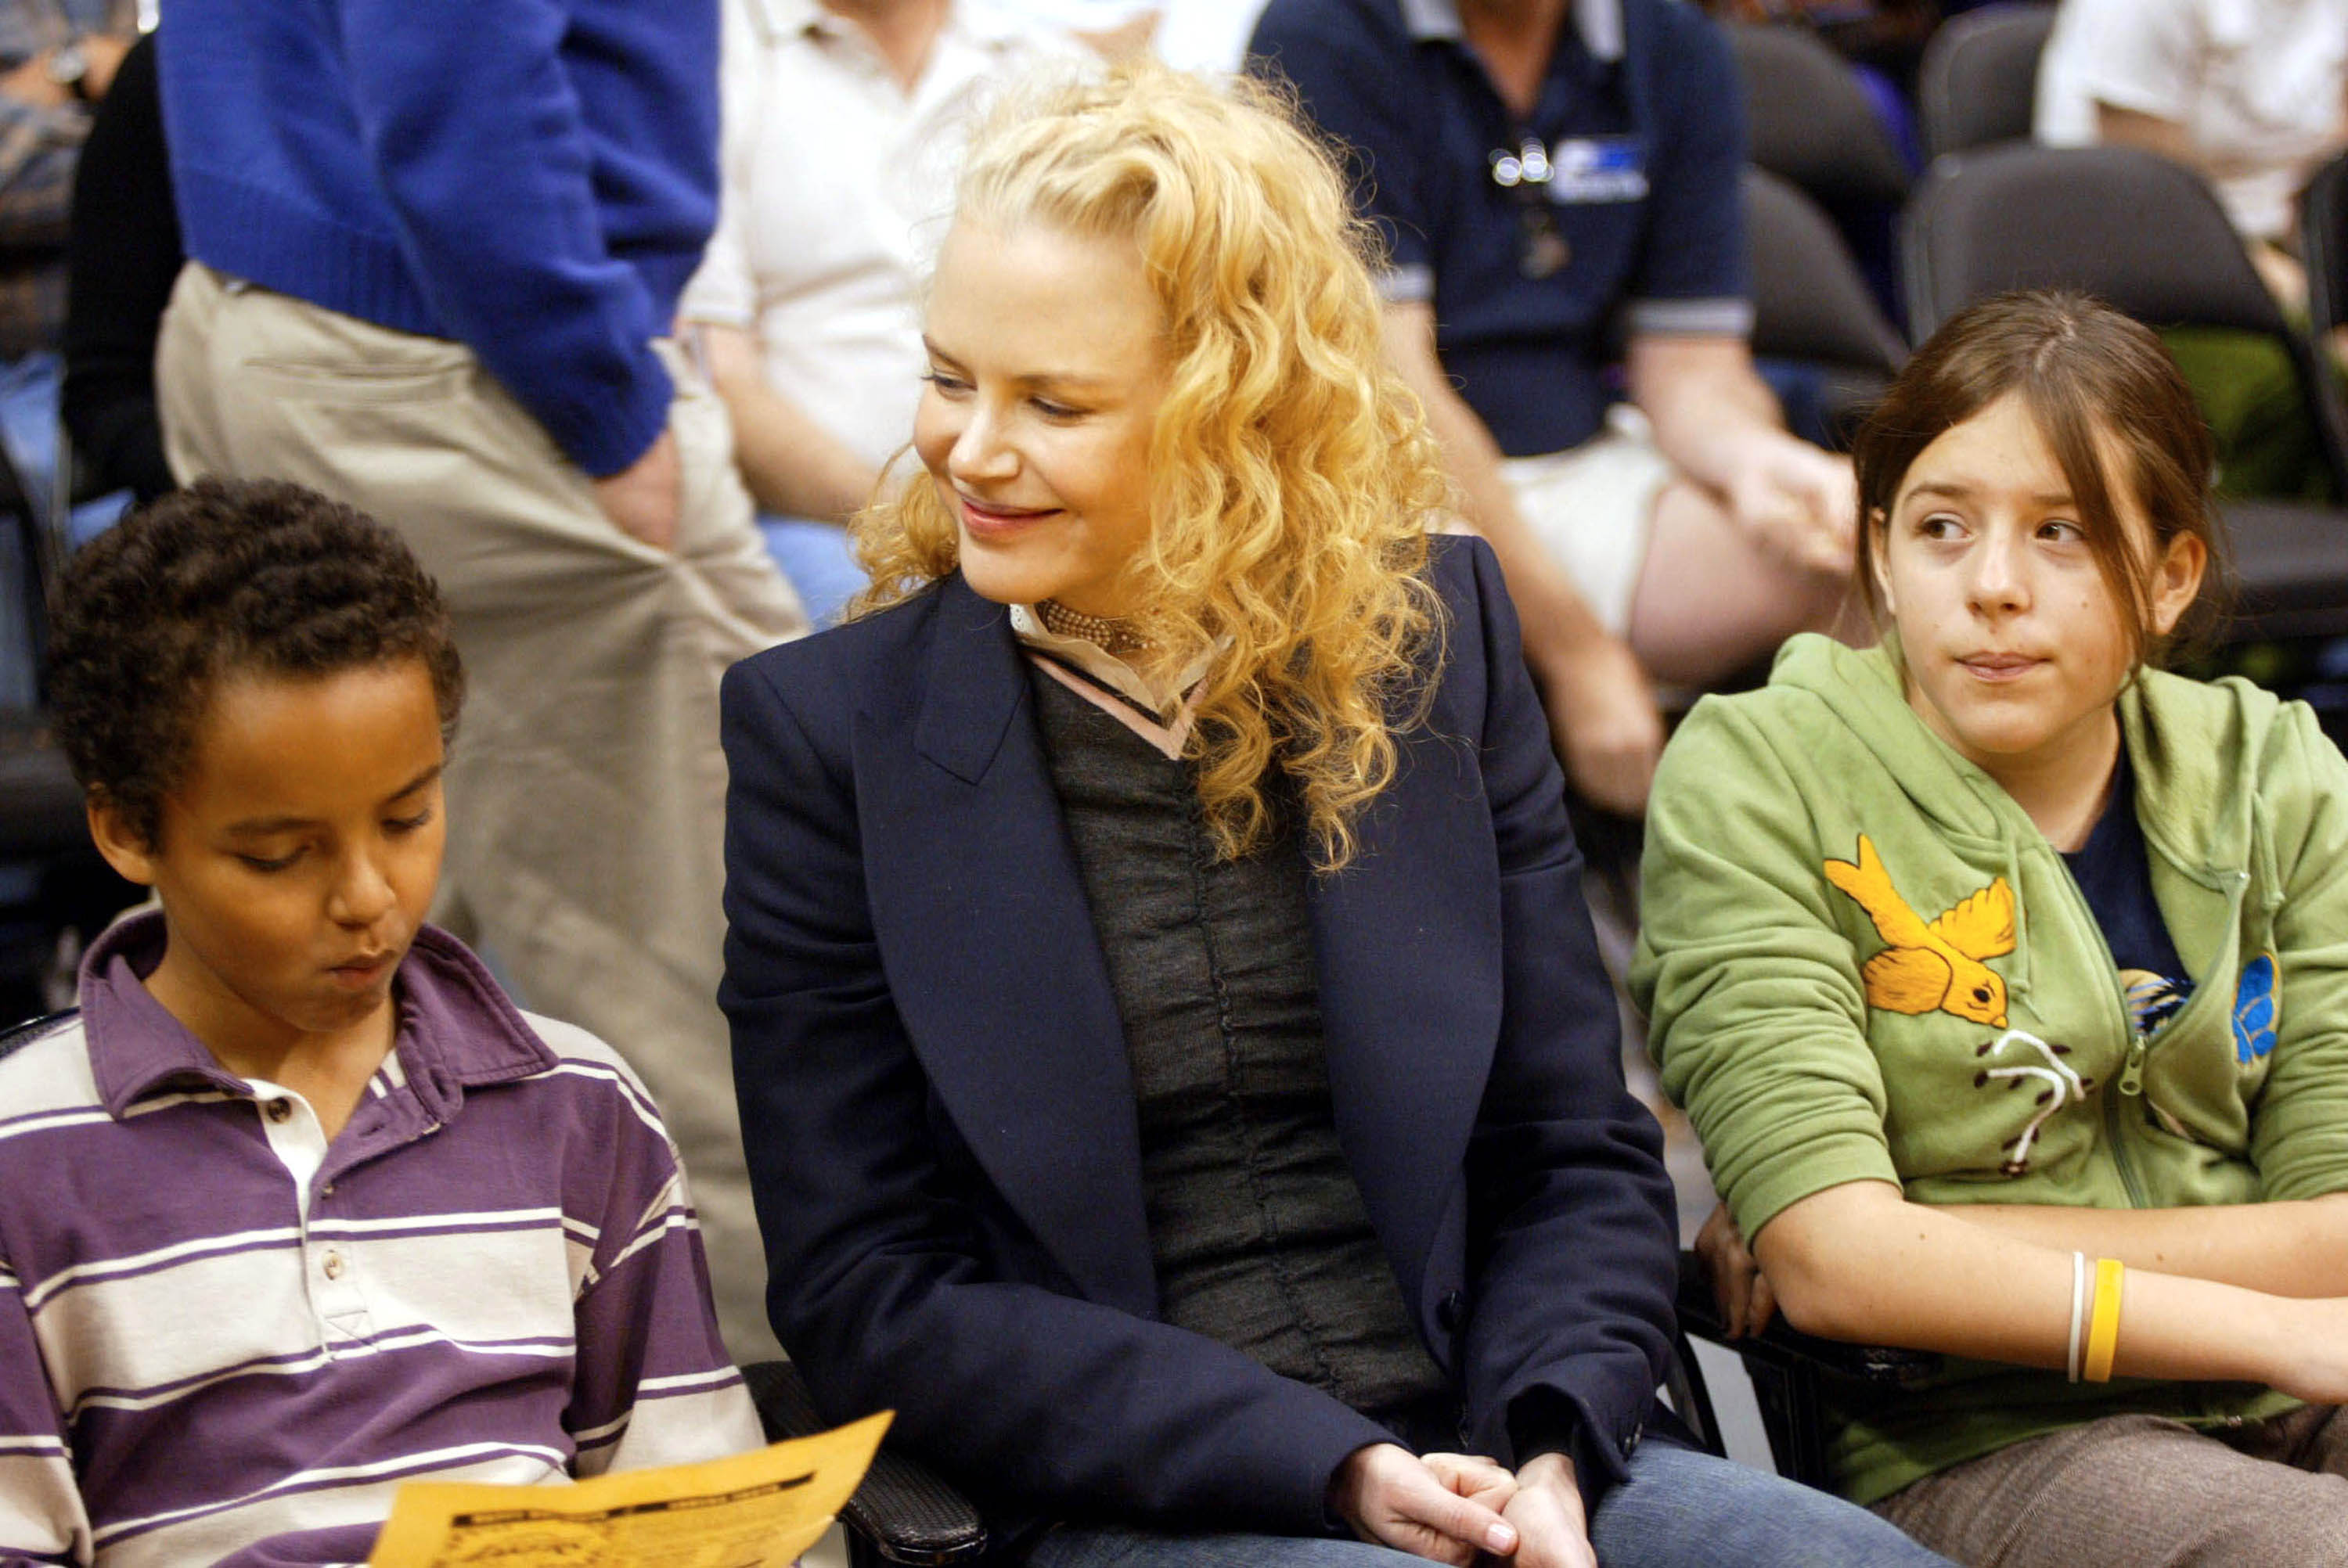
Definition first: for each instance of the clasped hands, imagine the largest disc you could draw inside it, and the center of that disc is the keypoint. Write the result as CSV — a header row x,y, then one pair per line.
x,y
1458,1507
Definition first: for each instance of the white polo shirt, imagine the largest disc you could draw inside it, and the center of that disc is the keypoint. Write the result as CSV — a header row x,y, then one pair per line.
x,y
837,184
2260,86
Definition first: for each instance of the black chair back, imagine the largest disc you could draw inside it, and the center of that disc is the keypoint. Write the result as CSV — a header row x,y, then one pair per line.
x,y
1810,300
1807,119
2323,245
2141,232
1811,305
1979,80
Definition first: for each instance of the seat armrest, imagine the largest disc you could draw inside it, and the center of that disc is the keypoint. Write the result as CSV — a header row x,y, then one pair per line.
x,y
903,1509
1782,1346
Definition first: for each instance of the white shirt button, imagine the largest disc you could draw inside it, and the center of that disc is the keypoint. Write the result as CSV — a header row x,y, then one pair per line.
x,y
278,1110
335,1265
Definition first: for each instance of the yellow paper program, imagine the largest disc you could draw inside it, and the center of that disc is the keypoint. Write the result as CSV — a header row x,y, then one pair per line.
x,y
758,1510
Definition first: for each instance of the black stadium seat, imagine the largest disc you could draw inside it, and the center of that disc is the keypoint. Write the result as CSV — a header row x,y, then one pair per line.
x,y
2324,246
1810,303
1979,82
1807,119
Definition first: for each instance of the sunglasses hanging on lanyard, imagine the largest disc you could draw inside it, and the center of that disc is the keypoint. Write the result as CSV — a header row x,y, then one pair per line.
x,y
1525,174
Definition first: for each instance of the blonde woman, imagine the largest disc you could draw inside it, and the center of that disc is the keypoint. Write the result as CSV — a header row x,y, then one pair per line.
x,y
1175,1067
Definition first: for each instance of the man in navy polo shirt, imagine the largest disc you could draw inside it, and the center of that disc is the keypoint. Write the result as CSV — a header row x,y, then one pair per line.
x,y
1556,183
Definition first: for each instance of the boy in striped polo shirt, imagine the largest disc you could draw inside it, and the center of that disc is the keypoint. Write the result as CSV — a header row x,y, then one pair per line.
x,y
299,1206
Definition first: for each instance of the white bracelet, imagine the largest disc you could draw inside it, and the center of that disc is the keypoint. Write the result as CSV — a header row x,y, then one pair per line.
x,y
2078,1308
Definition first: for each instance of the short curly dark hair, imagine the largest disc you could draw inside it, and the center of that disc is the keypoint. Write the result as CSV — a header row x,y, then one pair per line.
x,y
228,575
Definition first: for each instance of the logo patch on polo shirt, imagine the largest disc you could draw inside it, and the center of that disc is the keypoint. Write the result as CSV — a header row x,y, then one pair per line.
x,y
1591,170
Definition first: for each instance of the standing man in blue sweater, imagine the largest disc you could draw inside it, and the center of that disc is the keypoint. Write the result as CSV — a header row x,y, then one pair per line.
x,y
435,251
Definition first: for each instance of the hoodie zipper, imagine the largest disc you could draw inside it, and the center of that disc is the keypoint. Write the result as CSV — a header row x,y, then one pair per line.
x,y
2132,1069
2131,1072
2141,1041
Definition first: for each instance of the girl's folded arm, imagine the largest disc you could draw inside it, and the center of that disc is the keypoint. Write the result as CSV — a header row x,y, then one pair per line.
x,y
1859,1263
2294,1248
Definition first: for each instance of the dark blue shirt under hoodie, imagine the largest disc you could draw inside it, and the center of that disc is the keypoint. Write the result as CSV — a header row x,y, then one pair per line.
x,y
2113,873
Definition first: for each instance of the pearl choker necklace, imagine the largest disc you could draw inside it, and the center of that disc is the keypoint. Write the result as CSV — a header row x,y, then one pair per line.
x,y
1109,636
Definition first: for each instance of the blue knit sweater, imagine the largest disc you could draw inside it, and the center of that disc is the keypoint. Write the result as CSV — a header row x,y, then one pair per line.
x,y
535,179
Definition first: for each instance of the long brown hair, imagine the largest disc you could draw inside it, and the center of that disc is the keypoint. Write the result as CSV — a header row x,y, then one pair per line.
x,y
2100,387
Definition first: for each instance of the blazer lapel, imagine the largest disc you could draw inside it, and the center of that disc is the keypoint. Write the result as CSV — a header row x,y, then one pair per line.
x,y
994,964
1408,941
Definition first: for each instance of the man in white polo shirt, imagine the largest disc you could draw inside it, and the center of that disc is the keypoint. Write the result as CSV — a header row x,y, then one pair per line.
x,y
845,121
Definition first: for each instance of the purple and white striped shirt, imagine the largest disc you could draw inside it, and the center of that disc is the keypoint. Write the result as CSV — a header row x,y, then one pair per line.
x,y
223,1339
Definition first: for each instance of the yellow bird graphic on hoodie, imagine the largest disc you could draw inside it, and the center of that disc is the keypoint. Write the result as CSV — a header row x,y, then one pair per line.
x,y
1936,966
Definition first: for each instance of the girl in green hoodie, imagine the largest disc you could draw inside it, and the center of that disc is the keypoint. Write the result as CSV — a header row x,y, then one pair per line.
x,y
2005,979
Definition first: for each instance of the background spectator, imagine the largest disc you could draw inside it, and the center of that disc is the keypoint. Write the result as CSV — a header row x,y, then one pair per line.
x,y
57,57
125,254
2253,94
1545,177
844,126
433,265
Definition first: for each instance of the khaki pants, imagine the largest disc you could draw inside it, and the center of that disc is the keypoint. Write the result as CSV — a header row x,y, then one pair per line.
x,y
2137,1491
586,791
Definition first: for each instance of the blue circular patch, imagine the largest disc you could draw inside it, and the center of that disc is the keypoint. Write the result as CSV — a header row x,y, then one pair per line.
x,y
2255,1009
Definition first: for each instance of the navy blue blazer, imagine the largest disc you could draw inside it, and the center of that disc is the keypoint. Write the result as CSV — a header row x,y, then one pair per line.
x,y
940,1117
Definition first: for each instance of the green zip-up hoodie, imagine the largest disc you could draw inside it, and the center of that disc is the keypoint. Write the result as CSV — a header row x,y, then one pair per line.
x,y
1862,961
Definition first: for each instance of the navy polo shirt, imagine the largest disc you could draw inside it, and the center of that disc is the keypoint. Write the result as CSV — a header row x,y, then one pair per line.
x,y
1640,123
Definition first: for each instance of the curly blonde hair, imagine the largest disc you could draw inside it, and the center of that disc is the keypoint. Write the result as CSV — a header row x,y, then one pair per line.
x,y
1293,477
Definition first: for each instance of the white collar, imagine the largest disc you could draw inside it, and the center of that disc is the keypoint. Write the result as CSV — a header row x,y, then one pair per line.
x,y
780,19
1600,23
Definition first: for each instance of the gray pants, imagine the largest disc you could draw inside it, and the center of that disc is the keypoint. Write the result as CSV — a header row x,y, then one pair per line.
x,y
2137,1492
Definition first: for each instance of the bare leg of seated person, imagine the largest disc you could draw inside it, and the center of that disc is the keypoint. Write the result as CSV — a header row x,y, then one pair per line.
x,y
1710,600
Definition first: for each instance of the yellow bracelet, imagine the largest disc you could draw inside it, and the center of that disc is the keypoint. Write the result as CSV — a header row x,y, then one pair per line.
x,y
2104,1333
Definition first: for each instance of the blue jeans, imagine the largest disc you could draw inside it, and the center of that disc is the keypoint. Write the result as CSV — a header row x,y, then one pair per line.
x,y
29,390
28,432
1680,1509
816,560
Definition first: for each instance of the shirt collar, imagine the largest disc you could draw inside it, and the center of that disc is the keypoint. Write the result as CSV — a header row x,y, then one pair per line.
x,y
780,19
457,1030
1105,667
988,23
1600,23
984,23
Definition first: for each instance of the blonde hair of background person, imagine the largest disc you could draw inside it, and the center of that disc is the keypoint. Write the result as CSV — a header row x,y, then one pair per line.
x,y
1295,478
